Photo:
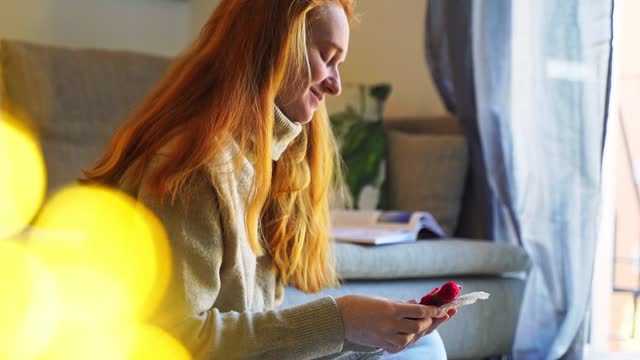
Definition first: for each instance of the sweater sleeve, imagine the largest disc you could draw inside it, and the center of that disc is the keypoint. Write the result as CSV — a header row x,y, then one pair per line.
x,y
188,313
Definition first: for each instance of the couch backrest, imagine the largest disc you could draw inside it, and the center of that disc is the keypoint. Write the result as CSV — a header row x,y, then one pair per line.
x,y
434,125
73,98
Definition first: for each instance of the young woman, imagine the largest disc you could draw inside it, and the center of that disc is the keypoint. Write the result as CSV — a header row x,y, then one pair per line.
x,y
234,153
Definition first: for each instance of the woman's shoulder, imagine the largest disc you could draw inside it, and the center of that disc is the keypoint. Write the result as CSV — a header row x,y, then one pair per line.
x,y
225,166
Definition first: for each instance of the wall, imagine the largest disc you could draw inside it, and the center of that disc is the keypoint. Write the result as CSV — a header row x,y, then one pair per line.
x,y
628,212
152,26
386,46
201,10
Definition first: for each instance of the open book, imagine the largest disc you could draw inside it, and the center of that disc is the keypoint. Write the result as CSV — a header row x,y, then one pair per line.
x,y
376,227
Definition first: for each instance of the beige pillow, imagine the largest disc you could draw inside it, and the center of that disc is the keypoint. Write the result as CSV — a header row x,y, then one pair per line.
x,y
427,172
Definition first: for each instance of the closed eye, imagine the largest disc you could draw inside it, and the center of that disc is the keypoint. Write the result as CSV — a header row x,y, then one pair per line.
x,y
328,57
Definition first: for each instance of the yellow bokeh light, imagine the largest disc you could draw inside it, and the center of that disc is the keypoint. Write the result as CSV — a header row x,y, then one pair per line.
x,y
87,227
90,296
83,341
131,341
23,180
29,305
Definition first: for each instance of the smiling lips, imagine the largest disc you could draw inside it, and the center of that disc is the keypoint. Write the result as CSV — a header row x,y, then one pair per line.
x,y
317,95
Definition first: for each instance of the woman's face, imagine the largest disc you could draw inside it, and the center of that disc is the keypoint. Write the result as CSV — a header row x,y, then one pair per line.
x,y
327,45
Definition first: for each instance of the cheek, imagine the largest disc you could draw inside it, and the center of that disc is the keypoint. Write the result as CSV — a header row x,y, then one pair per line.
x,y
293,90
318,71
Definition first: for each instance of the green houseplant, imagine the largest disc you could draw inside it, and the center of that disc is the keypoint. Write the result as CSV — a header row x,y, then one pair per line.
x,y
361,142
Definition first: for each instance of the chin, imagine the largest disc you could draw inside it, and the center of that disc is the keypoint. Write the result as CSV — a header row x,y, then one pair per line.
x,y
306,116
307,120
303,113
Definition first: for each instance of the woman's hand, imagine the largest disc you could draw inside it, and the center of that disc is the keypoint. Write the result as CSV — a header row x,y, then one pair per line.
x,y
387,324
436,322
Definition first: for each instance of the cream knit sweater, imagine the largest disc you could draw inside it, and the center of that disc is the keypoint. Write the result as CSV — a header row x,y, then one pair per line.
x,y
221,299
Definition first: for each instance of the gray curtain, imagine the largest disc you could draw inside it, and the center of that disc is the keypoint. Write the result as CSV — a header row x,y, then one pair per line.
x,y
529,82
450,59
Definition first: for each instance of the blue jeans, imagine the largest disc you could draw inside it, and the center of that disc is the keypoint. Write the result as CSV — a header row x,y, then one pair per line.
x,y
429,347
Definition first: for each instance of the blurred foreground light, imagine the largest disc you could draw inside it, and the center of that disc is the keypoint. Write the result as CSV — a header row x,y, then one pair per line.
x,y
92,297
29,305
109,254
23,180
128,342
82,342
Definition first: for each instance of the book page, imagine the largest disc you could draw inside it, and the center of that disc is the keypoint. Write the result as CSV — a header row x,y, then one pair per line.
x,y
398,220
426,226
378,219
372,225
371,236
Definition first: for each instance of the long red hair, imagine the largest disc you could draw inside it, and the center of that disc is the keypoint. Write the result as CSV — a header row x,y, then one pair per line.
x,y
226,83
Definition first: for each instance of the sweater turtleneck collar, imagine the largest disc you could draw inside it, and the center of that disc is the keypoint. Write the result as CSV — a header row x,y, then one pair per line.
x,y
284,131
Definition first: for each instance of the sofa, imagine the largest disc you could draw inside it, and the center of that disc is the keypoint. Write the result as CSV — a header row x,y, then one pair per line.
x,y
75,98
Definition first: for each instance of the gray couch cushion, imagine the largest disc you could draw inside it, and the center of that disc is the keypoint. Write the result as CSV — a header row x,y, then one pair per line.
x,y
73,98
428,173
428,258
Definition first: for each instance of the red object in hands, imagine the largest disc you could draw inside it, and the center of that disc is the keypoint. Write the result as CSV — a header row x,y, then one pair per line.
x,y
442,295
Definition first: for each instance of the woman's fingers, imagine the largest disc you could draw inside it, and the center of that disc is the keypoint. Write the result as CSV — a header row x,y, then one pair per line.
x,y
414,326
436,323
415,311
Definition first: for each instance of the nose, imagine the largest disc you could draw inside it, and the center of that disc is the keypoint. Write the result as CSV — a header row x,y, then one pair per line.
x,y
332,84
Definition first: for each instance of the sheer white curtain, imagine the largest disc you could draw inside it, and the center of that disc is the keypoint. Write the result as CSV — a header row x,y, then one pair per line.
x,y
560,81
